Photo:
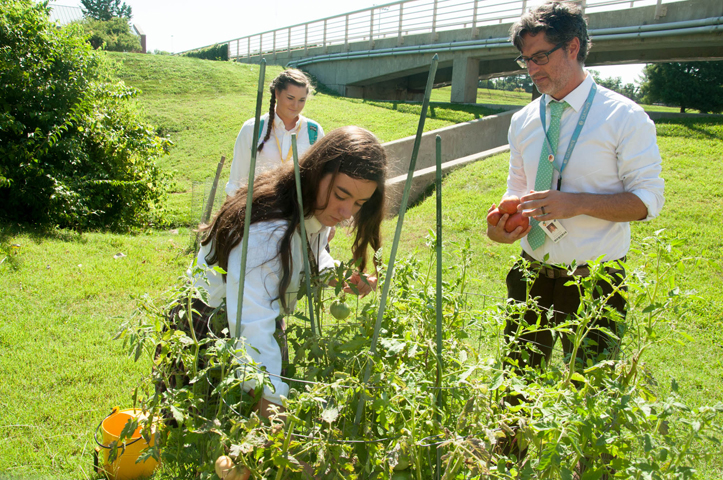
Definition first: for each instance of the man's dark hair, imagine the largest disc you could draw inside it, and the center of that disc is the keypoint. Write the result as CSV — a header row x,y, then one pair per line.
x,y
560,22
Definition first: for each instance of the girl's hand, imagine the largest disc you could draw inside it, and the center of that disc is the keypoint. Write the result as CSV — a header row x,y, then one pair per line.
x,y
364,283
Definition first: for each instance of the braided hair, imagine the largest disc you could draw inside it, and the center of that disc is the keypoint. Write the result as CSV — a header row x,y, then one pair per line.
x,y
288,77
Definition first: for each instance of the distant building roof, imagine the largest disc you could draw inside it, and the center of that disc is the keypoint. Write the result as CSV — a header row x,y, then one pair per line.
x,y
64,14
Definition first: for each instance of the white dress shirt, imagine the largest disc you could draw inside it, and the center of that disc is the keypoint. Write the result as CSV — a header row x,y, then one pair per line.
x,y
263,275
269,157
616,152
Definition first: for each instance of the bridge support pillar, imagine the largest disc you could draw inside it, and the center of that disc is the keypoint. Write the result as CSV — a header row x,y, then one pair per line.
x,y
465,78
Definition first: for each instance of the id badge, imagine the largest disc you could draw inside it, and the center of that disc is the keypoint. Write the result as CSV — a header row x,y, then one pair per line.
x,y
553,229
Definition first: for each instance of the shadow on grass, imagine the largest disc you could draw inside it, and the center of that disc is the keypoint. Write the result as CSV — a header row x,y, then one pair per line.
x,y
37,233
676,127
11,249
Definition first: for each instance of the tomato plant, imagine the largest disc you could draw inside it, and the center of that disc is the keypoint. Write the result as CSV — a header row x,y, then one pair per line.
x,y
567,419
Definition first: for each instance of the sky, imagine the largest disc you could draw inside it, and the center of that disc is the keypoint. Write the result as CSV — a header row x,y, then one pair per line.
x,y
178,25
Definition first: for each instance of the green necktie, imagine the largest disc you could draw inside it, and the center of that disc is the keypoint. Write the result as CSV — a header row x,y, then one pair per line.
x,y
543,181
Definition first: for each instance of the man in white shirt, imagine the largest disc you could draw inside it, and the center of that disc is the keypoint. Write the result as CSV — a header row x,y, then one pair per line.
x,y
610,177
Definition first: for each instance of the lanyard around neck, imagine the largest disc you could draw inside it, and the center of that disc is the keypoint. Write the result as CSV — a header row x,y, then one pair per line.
x,y
575,134
281,154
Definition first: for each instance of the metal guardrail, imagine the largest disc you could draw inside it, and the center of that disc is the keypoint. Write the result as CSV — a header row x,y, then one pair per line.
x,y
399,19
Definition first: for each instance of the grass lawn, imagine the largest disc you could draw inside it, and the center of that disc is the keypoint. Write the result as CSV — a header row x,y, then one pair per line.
x,y
502,97
66,293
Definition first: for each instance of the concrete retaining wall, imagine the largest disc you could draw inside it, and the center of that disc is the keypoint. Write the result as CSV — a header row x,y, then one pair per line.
x,y
461,144
458,141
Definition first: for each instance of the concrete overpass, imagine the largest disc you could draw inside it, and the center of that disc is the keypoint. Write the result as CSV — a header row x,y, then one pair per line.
x,y
384,52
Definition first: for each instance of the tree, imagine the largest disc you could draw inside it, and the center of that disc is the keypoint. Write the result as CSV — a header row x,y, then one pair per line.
x,y
697,85
616,85
113,35
106,9
72,150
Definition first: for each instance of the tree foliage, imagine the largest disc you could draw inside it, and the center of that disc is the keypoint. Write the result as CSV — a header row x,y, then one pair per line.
x,y
697,85
512,83
616,85
106,9
214,52
72,149
113,35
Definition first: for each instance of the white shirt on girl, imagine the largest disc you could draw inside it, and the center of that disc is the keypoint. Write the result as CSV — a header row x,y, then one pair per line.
x,y
261,287
276,151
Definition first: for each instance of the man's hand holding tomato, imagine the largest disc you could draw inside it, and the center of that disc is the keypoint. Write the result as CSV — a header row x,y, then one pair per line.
x,y
507,224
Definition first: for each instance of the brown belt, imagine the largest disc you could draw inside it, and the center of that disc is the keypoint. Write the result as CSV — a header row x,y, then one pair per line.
x,y
551,271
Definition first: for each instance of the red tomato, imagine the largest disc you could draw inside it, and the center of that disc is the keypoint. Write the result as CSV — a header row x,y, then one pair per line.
x,y
508,205
515,221
493,218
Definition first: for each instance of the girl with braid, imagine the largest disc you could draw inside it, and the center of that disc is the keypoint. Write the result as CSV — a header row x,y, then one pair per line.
x,y
342,179
289,92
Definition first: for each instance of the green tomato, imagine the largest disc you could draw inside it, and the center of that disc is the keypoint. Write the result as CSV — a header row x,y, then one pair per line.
x,y
339,309
402,457
403,462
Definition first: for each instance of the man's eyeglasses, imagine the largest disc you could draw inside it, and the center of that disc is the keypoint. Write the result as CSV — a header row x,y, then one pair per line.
x,y
538,59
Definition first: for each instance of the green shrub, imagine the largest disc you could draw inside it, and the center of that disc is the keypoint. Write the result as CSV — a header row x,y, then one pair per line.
x,y
72,149
216,52
113,35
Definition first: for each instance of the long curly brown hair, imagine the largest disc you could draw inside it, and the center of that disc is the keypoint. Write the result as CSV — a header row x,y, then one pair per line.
x,y
349,150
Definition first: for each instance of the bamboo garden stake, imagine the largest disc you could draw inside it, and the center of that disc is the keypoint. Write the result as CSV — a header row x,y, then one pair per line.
x,y
304,238
438,186
398,232
249,197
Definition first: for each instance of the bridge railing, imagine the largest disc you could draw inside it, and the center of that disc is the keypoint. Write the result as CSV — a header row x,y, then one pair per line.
x,y
399,19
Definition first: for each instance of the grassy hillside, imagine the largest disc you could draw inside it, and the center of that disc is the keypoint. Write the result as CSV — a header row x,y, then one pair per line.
x,y
65,294
202,104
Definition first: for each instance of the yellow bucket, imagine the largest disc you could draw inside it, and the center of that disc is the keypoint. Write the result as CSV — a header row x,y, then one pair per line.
x,y
124,467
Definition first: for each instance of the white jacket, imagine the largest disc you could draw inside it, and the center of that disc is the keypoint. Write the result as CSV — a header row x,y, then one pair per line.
x,y
263,275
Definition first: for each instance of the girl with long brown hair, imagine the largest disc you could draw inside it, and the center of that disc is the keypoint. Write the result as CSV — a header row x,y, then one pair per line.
x,y
289,92
342,179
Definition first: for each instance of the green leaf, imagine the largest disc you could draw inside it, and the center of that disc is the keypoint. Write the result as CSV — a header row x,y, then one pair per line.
x,y
177,414
593,474
566,474
497,382
647,442
392,345
354,344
